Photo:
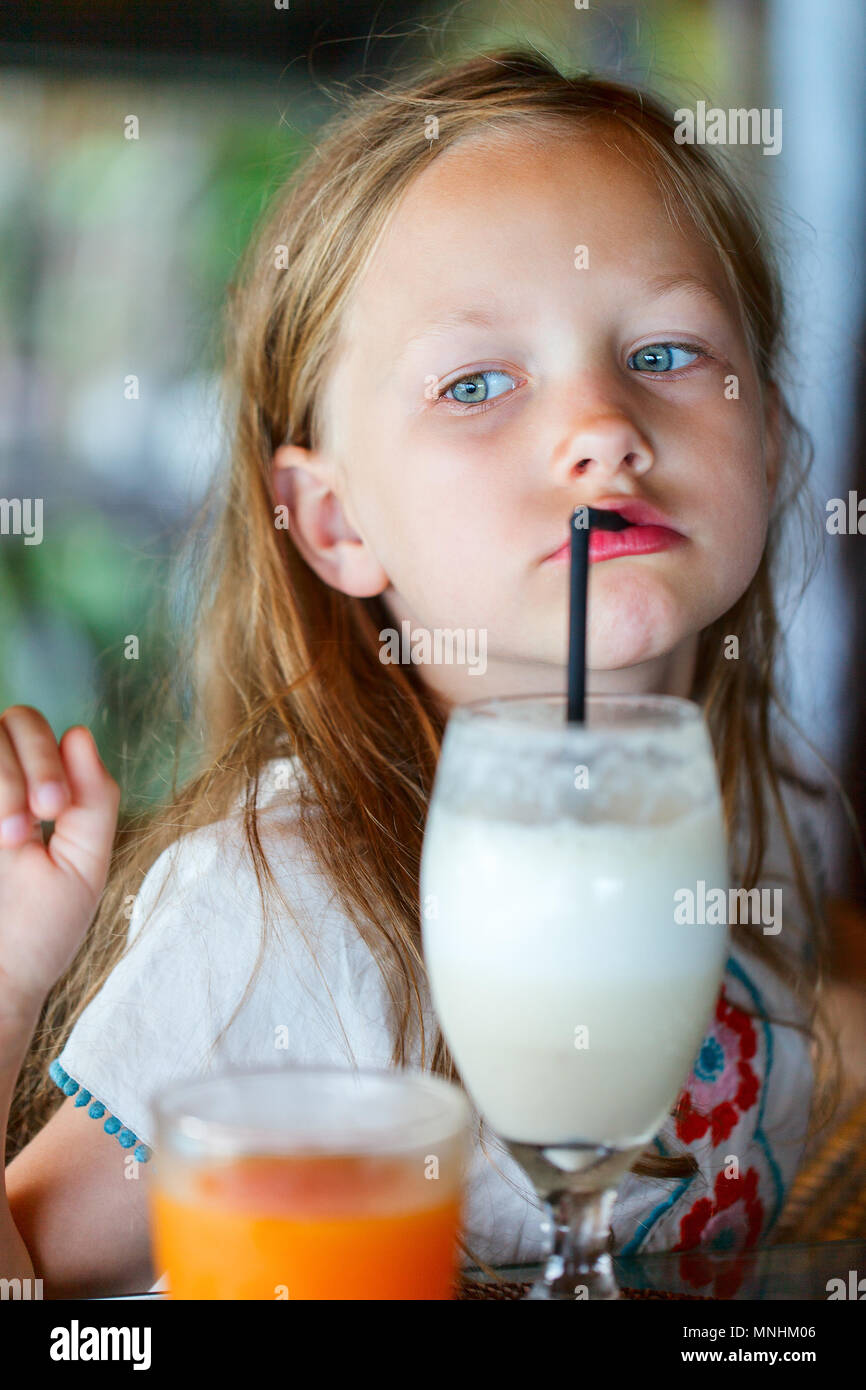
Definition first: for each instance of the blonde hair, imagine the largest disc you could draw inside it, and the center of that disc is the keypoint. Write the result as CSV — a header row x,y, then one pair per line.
x,y
280,663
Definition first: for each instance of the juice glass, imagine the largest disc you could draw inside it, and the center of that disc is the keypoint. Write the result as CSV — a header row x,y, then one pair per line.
x,y
309,1183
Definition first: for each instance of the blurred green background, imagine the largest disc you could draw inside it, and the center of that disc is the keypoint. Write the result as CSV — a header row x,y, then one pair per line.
x,y
114,259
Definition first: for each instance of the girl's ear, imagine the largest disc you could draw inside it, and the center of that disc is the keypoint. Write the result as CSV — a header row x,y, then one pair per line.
x,y
305,483
772,437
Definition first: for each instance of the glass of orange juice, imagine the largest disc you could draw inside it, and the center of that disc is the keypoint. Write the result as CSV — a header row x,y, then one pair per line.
x,y
309,1183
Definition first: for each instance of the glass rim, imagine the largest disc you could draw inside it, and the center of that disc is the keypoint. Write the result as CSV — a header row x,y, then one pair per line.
x,y
684,712
560,696
174,1113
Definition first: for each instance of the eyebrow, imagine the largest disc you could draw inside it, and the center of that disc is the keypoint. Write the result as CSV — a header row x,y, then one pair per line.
x,y
684,280
476,316
480,316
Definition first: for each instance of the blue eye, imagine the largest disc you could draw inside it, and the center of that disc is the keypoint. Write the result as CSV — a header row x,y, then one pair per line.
x,y
660,357
475,387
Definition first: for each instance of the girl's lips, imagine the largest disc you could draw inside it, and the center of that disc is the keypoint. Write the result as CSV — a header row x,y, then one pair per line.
x,y
634,540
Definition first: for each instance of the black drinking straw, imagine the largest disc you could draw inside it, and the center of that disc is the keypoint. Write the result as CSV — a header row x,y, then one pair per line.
x,y
582,519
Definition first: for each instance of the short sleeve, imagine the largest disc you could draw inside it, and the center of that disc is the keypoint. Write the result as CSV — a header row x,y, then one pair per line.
x,y
86,1054
201,986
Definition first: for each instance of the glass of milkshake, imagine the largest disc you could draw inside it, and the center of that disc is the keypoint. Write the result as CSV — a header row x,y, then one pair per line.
x,y
571,992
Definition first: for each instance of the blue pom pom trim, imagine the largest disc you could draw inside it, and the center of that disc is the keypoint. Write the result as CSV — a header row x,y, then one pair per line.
x,y
112,1125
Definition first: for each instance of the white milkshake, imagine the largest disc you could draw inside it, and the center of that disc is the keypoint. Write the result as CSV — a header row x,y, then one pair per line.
x,y
573,1003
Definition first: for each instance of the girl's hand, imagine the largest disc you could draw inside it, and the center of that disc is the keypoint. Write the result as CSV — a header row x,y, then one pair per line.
x,y
48,894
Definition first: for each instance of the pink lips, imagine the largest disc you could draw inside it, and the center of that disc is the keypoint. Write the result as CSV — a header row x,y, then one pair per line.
x,y
650,532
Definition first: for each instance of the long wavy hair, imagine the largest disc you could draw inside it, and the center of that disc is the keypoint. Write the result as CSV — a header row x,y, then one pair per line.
x,y
272,661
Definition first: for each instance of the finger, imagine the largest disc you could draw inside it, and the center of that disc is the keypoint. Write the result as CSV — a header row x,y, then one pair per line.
x,y
84,829
88,778
17,823
39,758
20,829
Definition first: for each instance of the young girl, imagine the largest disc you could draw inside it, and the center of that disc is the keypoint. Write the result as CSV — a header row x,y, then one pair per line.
x,y
491,294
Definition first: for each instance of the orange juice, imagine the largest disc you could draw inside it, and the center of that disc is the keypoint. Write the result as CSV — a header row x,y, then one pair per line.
x,y
308,1226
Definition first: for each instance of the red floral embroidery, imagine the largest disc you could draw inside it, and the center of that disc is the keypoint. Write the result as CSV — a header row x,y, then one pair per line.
x,y
728,1221
723,1085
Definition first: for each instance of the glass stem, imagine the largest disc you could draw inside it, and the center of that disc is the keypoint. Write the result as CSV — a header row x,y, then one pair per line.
x,y
579,1264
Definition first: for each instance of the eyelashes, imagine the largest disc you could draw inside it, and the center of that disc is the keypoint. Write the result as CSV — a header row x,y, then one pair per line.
x,y
652,349
475,376
662,351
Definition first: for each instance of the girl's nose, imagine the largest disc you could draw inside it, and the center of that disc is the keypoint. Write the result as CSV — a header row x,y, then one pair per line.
x,y
604,444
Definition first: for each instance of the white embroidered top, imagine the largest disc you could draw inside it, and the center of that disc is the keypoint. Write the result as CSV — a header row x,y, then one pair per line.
x,y
157,1014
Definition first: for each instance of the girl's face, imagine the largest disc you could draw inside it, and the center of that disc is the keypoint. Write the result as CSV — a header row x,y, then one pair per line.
x,y
616,372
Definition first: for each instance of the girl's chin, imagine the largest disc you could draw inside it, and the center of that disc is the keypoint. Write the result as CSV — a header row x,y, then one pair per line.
x,y
632,624
612,651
